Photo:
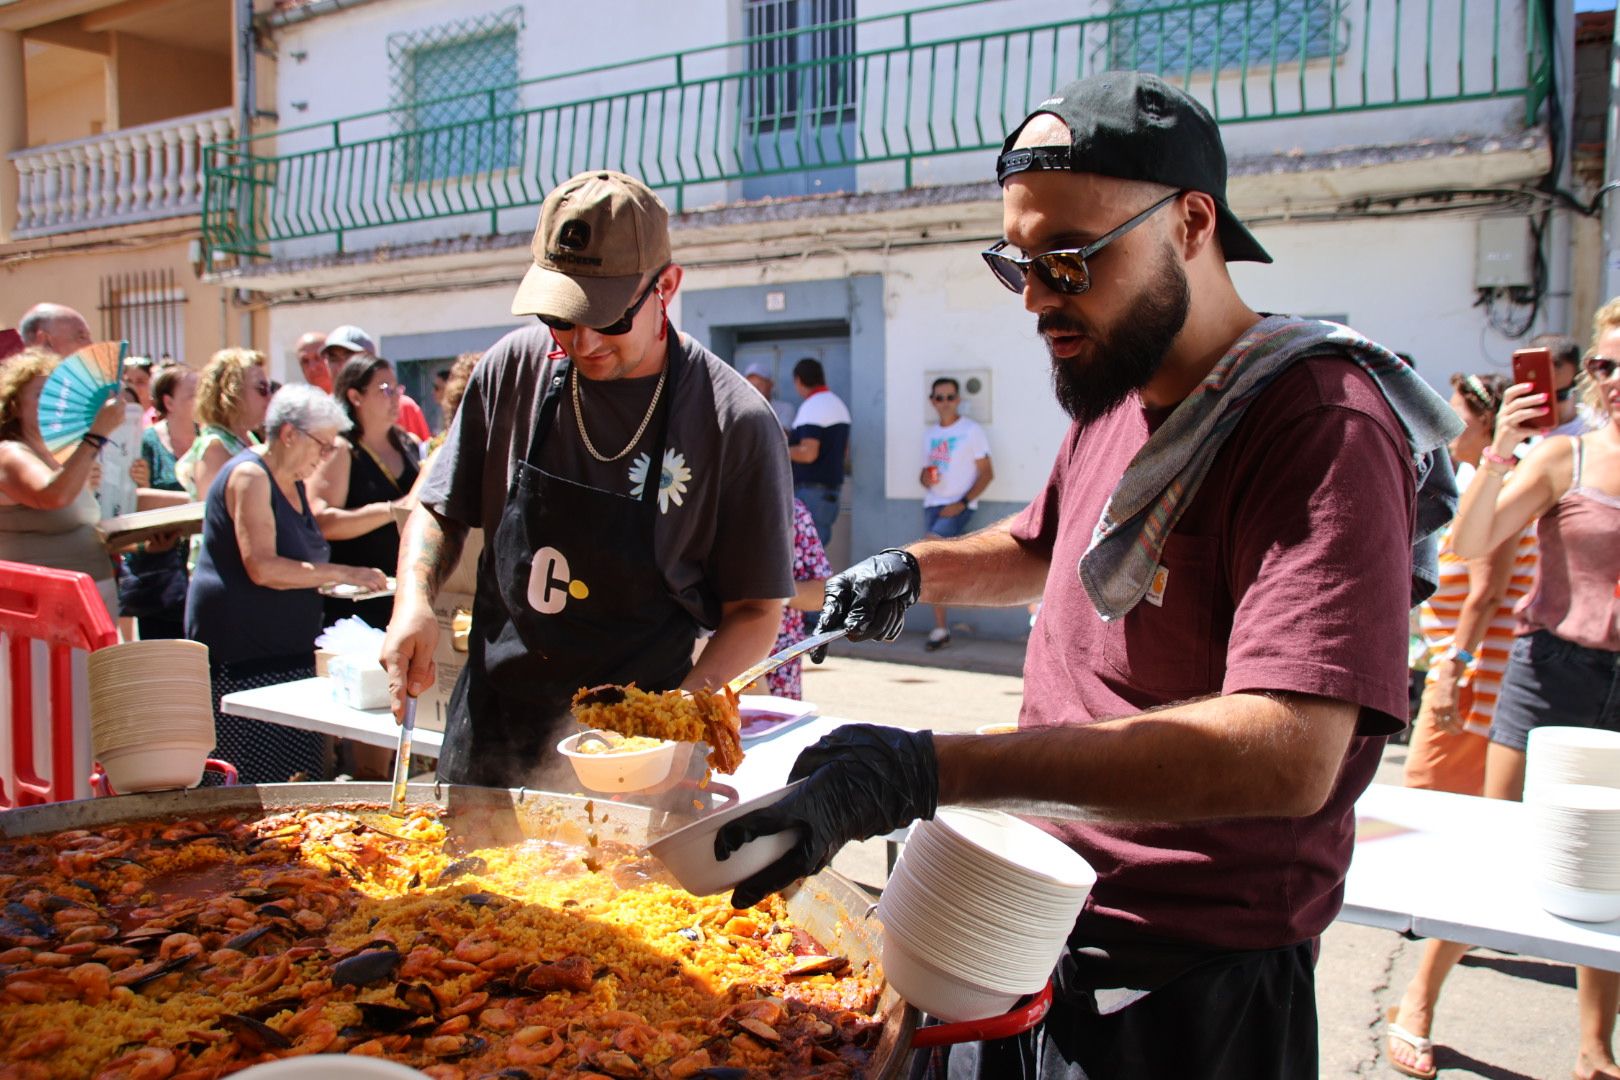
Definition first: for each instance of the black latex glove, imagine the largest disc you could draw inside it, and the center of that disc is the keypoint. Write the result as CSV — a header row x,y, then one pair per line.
x,y
860,781
870,598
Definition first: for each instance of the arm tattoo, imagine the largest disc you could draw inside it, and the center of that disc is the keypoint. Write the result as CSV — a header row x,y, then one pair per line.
x,y
433,548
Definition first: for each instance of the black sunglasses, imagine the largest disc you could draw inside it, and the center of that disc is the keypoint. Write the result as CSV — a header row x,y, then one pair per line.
x,y
944,397
616,328
1063,271
1601,368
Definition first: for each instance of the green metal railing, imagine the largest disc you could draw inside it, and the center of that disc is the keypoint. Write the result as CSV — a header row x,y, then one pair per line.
x,y
900,89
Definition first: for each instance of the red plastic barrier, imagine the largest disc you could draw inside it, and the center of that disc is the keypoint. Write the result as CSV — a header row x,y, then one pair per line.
x,y
62,609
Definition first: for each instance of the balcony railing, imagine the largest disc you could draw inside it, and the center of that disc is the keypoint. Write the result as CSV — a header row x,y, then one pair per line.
x,y
134,174
902,96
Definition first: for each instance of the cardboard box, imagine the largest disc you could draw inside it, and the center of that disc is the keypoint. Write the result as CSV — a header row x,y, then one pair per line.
x,y
450,656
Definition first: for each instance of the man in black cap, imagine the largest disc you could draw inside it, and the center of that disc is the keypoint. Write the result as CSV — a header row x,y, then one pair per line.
x,y
1222,640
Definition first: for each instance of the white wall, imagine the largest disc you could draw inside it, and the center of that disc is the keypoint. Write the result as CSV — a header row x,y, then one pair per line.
x,y
1407,284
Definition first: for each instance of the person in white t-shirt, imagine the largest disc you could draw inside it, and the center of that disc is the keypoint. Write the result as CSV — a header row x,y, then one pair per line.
x,y
956,470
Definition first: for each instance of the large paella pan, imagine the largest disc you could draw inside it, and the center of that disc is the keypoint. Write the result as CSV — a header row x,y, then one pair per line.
x,y
486,933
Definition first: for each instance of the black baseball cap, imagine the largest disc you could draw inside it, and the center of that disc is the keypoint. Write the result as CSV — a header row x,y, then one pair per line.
x,y
1136,126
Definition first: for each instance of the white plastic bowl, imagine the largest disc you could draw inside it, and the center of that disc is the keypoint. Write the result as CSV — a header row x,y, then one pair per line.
x,y
332,1067
630,770
688,852
938,993
154,768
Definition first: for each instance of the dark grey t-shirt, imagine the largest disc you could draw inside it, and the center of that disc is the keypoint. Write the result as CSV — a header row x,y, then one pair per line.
x,y
725,513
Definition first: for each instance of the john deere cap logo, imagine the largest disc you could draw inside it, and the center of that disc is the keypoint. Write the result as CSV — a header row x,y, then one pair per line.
x,y
574,236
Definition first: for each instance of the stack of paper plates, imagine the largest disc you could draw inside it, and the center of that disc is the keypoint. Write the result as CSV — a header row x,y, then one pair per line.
x,y
151,713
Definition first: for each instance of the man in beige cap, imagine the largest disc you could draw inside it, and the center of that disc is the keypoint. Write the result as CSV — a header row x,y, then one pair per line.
x,y
633,490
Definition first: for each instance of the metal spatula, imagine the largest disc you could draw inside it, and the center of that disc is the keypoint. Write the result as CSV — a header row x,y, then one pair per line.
x,y
776,660
402,762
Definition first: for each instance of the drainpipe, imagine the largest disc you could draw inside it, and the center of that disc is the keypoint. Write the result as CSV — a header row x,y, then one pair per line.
x,y
247,83
1609,272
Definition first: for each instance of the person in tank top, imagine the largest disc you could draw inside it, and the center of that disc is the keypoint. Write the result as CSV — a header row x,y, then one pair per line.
x,y
1565,664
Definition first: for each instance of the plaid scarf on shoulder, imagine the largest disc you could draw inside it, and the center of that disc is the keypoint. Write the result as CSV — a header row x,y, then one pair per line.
x,y
1118,567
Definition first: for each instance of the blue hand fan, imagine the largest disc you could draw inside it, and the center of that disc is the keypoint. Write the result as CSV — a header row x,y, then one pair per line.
x,y
76,390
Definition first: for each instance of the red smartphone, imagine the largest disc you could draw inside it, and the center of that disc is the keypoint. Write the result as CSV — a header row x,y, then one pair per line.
x,y
1535,366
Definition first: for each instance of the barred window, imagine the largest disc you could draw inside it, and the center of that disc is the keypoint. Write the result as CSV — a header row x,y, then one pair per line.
x,y
147,308
1229,35
465,135
808,75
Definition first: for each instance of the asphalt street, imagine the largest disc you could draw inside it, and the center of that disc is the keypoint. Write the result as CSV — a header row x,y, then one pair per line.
x,y
1502,1017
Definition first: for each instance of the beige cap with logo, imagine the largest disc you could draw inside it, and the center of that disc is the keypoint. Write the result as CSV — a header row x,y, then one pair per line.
x,y
600,234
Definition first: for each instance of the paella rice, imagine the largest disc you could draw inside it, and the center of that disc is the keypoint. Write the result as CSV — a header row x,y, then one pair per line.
x,y
182,950
710,716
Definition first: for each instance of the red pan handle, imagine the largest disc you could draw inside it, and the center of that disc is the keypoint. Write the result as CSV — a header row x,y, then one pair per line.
x,y
1020,1020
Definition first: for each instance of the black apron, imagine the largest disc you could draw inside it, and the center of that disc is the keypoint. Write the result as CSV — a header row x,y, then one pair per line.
x,y
569,595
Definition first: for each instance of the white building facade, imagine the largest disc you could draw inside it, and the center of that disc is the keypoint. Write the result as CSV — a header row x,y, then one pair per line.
x,y
830,166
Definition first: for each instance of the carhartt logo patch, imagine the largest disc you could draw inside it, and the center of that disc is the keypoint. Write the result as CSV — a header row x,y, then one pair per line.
x,y
574,236
1161,581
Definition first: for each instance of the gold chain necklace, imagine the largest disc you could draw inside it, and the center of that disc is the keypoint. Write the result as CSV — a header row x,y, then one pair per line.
x,y
579,418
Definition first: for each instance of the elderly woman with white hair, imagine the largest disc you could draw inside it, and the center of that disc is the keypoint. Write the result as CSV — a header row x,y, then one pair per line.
x,y
253,598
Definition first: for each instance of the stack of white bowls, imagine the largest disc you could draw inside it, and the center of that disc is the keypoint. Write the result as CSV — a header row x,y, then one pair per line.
x,y
1576,844
1572,792
151,713
1570,755
977,912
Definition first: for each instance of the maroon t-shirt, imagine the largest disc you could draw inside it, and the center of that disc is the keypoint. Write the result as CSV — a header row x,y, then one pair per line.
x,y
1289,571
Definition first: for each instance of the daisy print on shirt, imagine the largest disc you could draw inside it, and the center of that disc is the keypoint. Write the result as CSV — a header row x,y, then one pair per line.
x,y
672,479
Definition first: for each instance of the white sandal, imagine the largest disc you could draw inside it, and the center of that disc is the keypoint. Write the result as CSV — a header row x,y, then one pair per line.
x,y
1418,1043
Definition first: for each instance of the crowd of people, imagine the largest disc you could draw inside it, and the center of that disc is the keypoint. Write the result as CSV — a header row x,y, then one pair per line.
x,y
1522,631
299,484
1235,529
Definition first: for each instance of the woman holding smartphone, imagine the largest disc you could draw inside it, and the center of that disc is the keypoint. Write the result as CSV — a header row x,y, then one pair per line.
x,y
1565,664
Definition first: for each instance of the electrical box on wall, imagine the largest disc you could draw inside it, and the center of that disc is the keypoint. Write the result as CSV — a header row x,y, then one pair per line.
x,y
1502,258
975,401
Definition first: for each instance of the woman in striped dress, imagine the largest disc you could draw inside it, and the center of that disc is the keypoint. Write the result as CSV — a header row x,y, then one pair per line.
x,y
1467,624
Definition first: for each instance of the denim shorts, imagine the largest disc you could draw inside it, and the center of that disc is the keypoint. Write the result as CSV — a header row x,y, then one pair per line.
x,y
945,527
1553,681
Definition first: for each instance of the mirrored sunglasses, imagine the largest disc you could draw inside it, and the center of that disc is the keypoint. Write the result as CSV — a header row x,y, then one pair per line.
x,y
1601,368
1063,271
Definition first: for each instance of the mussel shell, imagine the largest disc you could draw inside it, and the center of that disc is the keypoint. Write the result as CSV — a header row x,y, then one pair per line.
x,y
418,997
247,937
386,1018
254,1034
266,1009
364,968
166,968
470,1045
472,864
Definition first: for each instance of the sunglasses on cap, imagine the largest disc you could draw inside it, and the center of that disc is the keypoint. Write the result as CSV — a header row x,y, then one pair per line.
x,y
614,329
1601,368
1062,271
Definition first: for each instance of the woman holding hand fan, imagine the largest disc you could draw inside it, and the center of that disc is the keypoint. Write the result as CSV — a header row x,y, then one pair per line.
x,y
48,508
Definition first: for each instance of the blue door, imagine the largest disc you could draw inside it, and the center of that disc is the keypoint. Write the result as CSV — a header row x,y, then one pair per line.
x,y
778,358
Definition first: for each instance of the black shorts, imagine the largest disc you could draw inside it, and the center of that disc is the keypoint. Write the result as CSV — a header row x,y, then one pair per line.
x,y
1233,1016
1553,681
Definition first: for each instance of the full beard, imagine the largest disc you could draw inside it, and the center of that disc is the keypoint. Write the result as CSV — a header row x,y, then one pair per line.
x,y
1126,358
